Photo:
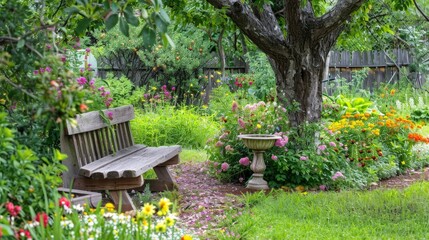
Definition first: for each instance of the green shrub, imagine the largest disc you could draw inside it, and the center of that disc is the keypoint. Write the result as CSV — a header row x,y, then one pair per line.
x,y
23,174
167,125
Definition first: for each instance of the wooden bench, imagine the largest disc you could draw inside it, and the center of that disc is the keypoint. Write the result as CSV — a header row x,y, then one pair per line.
x,y
103,157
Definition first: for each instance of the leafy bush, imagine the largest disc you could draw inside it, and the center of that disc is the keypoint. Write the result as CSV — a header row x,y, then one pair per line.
x,y
23,175
294,160
167,125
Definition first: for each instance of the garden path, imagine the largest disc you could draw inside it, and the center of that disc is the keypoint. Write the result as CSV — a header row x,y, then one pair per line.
x,y
203,199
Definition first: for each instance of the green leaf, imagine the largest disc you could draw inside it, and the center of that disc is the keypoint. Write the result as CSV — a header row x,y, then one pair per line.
x,y
114,7
149,36
145,15
129,16
111,21
164,16
167,40
123,26
71,10
160,24
82,25
20,43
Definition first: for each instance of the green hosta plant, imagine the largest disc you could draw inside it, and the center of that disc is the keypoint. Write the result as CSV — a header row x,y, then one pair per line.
x,y
353,105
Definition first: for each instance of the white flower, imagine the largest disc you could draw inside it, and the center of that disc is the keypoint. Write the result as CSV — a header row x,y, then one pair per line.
x,y
411,102
398,105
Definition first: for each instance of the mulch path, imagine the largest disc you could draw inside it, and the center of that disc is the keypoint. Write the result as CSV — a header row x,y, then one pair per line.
x,y
203,199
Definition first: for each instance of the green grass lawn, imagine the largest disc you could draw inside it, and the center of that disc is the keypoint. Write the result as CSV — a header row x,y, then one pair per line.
x,y
380,214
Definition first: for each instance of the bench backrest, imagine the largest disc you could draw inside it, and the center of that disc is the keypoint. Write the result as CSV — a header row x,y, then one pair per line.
x,y
90,138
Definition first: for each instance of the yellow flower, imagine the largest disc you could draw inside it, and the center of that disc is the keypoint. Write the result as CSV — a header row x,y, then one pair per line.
x,y
148,209
110,207
258,125
154,88
169,220
376,132
218,80
392,92
164,205
188,237
161,227
191,85
403,162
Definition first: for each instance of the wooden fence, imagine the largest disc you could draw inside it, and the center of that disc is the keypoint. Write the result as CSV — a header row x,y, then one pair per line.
x,y
384,67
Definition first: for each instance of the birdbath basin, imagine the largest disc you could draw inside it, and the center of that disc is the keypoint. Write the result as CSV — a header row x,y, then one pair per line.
x,y
258,143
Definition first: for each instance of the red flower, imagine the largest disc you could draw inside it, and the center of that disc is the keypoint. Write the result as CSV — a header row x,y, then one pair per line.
x,y
42,218
64,202
83,107
21,233
12,209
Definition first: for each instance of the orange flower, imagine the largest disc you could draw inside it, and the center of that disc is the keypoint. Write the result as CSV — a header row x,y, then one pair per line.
x,y
392,92
83,107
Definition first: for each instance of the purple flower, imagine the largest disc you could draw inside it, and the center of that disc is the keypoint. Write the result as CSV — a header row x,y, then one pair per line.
x,y
224,166
323,187
63,58
332,144
101,89
146,95
164,87
244,161
219,144
48,69
156,96
81,81
337,175
92,82
274,157
173,88
110,115
42,70
241,123
35,72
48,46
303,158
87,50
322,147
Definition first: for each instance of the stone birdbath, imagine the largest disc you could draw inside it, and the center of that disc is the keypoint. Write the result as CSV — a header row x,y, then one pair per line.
x,y
258,143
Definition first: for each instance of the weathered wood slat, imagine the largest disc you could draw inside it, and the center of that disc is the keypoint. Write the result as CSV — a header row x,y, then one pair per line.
x,y
88,170
107,184
134,164
92,121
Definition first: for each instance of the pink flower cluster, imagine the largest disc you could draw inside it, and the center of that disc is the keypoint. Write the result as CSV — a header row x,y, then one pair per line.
x,y
244,161
337,175
106,95
224,166
42,70
282,141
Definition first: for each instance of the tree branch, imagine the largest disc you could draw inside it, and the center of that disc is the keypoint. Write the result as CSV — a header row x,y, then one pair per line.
x,y
334,18
420,10
264,32
12,39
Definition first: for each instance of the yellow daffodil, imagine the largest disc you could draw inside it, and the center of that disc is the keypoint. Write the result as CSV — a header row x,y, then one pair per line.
x,y
148,209
161,227
110,207
164,206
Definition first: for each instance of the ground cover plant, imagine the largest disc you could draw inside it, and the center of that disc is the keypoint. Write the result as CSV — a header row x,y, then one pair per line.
x,y
378,214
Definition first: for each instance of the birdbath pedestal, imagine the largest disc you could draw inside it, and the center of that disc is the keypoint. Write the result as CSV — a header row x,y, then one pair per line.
x,y
258,143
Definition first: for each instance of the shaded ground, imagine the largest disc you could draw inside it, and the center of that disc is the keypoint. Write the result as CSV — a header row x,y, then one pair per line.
x,y
204,199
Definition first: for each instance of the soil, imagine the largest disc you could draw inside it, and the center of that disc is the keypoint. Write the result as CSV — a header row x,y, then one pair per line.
x,y
203,199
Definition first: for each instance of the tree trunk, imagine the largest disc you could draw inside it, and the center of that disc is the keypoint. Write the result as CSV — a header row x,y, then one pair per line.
x,y
221,50
299,82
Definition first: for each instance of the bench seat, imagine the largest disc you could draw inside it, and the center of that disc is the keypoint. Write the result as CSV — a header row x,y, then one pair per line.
x,y
129,162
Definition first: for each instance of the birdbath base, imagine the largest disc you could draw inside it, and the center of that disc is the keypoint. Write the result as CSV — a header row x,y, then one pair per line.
x,y
257,182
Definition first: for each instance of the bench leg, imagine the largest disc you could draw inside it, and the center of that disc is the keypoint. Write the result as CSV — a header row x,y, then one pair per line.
x,y
164,182
127,203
